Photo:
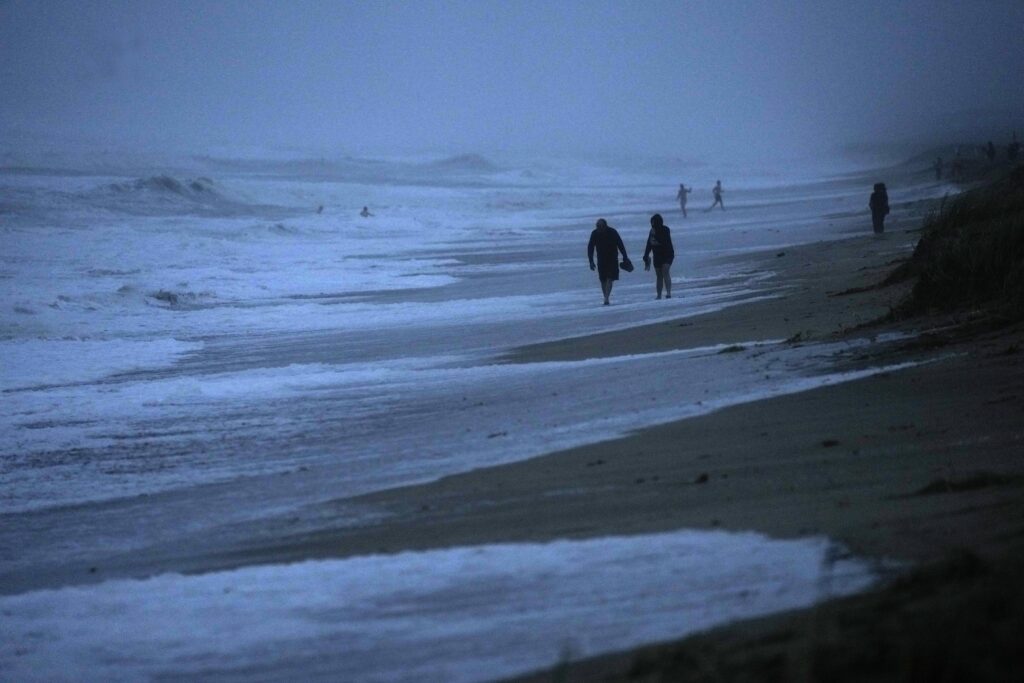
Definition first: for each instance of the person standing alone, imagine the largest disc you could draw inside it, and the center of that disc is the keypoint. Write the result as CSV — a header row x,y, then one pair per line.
x,y
606,242
879,205
659,245
681,196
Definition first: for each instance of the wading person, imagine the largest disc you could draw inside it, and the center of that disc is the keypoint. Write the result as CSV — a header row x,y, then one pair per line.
x,y
659,245
717,192
879,204
681,196
606,242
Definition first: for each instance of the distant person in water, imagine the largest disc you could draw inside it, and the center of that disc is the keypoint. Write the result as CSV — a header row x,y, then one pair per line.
x,y
681,196
606,242
365,212
717,192
938,168
659,245
879,204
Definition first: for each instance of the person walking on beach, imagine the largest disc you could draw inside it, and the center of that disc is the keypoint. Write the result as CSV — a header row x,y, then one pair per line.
x,y
681,196
717,192
606,242
659,245
879,204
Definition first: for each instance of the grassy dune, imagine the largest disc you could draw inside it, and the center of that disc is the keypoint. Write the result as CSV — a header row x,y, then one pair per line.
x,y
971,253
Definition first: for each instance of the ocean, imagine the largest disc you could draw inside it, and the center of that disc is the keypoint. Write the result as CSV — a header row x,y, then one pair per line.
x,y
194,347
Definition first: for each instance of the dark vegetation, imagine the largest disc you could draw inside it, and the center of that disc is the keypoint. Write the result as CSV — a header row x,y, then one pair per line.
x,y
971,253
961,619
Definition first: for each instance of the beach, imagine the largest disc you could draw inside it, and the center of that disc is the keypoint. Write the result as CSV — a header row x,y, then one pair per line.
x,y
370,465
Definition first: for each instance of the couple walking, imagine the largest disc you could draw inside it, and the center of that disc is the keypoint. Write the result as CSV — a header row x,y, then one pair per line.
x,y
607,243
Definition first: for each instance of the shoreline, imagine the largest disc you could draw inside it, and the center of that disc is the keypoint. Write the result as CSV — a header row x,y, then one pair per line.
x,y
915,466
912,465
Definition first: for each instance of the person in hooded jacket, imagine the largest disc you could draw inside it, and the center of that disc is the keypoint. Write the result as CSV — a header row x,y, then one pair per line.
x,y
659,245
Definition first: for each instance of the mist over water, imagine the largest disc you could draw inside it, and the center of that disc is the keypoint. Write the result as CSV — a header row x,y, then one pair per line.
x,y
707,81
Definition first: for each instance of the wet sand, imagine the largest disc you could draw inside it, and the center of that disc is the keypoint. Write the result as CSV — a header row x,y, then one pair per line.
x,y
847,461
917,465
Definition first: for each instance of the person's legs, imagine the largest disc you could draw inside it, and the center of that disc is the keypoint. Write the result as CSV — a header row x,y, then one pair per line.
x,y
606,289
666,277
659,282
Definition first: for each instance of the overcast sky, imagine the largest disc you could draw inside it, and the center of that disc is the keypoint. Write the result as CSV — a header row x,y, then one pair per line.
x,y
689,79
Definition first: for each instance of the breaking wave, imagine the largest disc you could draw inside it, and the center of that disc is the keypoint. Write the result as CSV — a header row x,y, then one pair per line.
x,y
180,298
167,195
470,163
198,188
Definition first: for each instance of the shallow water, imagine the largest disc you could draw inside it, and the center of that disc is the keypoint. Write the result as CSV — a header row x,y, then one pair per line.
x,y
463,614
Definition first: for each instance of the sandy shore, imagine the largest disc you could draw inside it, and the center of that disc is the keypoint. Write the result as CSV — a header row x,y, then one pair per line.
x,y
918,465
847,460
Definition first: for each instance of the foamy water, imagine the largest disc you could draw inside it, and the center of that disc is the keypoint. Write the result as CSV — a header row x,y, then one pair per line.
x,y
177,340
463,614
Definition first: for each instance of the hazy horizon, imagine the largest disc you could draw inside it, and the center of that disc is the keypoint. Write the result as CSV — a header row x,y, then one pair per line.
x,y
701,81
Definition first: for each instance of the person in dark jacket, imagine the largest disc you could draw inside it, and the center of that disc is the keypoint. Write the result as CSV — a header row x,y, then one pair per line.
x,y
605,241
879,204
659,245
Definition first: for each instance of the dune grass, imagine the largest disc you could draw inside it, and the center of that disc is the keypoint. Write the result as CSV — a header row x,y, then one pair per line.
x,y
971,252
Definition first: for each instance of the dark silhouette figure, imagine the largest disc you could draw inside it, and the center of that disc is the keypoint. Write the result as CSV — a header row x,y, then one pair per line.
x,y
365,212
681,196
320,209
879,204
717,192
606,242
938,168
659,245
1013,149
990,151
